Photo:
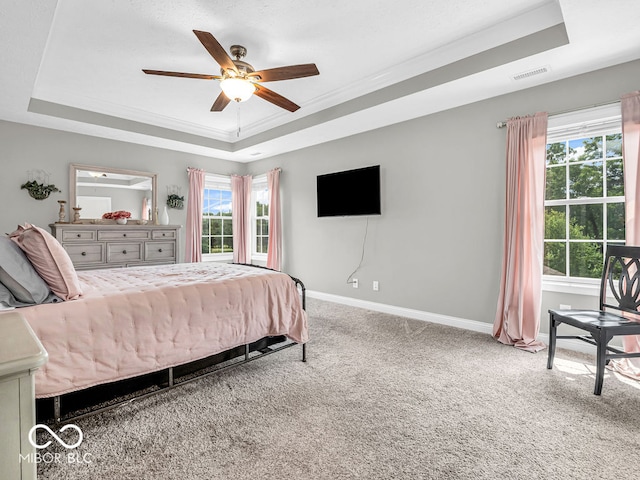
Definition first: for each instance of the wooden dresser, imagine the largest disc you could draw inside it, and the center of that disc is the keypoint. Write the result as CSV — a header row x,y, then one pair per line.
x,y
92,246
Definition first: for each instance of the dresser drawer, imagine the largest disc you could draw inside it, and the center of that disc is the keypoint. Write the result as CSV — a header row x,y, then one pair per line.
x,y
85,253
123,252
164,234
159,251
78,235
123,235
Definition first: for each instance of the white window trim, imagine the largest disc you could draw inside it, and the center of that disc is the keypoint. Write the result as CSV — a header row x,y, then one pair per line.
x,y
604,119
259,182
217,182
601,120
576,286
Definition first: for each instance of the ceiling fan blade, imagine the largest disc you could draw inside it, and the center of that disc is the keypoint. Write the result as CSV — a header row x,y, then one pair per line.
x,y
221,102
286,73
182,74
275,98
216,50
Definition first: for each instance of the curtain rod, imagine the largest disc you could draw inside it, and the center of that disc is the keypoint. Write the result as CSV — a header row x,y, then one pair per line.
x,y
504,123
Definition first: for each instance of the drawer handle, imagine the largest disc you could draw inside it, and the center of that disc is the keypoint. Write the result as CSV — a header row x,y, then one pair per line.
x,y
78,235
163,234
160,250
124,234
84,254
124,252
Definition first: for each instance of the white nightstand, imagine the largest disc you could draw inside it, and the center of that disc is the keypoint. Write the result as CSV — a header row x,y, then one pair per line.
x,y
21,353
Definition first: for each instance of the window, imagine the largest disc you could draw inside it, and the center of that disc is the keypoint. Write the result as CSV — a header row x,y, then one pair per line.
x,y
260,214
584,200
217,233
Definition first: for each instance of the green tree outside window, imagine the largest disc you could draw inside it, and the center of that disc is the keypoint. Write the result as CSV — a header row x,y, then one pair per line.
x,y
584,204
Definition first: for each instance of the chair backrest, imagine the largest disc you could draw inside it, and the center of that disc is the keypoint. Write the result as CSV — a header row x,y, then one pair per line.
x,y
621,279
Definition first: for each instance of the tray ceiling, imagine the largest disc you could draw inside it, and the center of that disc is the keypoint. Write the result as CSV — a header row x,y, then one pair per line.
x,y
75,65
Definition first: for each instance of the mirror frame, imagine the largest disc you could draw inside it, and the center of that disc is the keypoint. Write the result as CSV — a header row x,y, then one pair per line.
x,y
74,167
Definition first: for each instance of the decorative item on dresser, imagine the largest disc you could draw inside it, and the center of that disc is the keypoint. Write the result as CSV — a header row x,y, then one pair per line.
x,y
76,214
92,246
164,218
121,217
62,214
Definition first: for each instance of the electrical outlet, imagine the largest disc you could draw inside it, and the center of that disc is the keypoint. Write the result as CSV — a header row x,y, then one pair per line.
x,y
355,283
376,286
565,307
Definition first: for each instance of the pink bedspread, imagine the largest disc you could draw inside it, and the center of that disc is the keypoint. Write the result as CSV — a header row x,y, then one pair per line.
x,y
133,321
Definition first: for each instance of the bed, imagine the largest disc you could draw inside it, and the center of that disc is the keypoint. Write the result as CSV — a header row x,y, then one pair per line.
x,y
104,326
138,320
133,321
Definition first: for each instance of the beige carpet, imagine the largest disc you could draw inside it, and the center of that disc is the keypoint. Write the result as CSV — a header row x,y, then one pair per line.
x,y
380,397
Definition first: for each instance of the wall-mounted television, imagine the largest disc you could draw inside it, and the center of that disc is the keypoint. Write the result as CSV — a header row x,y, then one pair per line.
x,y
351,192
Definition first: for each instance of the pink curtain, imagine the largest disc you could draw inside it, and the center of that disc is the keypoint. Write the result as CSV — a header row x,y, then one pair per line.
x,y
193,246
517,320
630,104
241,216
274,252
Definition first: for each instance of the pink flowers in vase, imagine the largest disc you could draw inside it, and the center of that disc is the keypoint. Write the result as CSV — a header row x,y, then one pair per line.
x,y
120,216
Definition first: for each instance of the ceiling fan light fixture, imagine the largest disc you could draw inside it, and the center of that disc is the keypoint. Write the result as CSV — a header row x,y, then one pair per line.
x,y
238,79
237,89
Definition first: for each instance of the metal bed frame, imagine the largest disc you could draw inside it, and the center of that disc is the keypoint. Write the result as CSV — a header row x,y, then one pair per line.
x,y
173,382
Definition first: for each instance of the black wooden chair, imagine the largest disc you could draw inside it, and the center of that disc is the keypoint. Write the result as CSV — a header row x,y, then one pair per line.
x,y
620,281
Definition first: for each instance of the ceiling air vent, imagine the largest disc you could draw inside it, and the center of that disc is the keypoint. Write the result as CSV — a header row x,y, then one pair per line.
x,y
530,73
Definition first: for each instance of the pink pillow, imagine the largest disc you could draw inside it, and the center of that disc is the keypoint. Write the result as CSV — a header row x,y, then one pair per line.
x,y
50,260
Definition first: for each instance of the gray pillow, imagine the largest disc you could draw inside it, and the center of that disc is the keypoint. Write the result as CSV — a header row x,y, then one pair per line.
x,y
18,275
7,299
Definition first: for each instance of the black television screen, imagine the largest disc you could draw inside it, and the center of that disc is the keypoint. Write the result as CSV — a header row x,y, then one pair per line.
x,y
352,192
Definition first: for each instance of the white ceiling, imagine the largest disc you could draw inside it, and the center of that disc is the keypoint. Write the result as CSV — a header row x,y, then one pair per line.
x,y
76,65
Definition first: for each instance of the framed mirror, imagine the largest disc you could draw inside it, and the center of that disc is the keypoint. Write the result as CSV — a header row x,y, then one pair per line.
x,y
99,190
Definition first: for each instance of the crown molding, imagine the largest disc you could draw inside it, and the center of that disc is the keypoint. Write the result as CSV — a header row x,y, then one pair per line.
x,y
104,107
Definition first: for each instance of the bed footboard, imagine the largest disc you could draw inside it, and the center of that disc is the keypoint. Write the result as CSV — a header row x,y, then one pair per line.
x,y
303,294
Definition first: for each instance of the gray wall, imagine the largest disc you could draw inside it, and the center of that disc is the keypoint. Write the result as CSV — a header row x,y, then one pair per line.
x,y
24,147
437,245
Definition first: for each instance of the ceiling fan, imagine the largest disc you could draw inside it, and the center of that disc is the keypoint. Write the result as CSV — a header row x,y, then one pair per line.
x,y
239,80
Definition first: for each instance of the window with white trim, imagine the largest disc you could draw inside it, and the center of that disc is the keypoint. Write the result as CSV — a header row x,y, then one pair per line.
x,y
217,233
584,198
260,217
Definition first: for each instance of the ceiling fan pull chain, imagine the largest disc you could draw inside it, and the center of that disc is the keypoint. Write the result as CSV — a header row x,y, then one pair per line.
x,y
238,134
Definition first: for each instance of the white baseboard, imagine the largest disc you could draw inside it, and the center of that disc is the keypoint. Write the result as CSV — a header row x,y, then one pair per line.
x,y
467,324
474,325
